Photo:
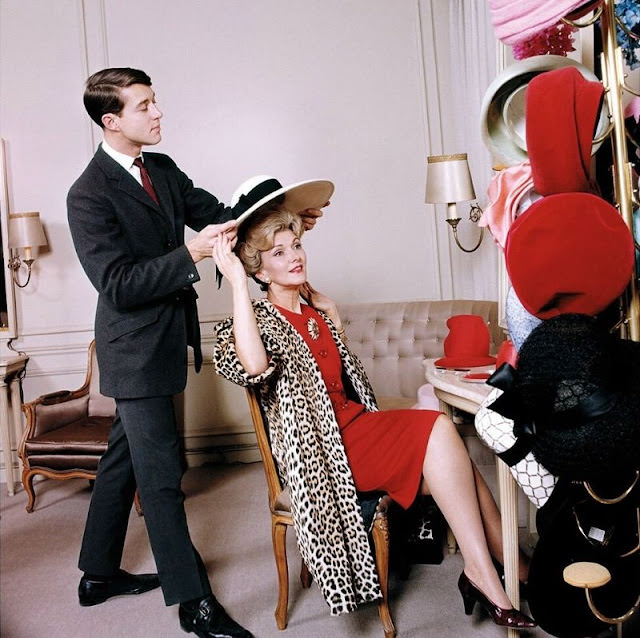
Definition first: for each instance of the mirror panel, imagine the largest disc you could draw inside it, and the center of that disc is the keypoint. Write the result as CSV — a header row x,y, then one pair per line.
x,y
7,292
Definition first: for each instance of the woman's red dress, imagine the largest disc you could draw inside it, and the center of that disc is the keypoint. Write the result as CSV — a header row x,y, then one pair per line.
x,y
385,449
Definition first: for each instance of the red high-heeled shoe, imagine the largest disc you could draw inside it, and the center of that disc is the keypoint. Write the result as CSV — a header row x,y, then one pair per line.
x,y
504,617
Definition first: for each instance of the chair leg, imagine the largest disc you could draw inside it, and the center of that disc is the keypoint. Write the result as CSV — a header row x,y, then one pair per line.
x,y
137,503
279,537
27,483
380,535
305,576
452,543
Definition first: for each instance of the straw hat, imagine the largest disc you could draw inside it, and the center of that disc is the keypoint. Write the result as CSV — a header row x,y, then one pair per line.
x,y
502,119
259,190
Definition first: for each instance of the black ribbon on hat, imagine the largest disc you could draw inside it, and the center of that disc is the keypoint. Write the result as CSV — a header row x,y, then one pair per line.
x,y
509,405
247,200
525,427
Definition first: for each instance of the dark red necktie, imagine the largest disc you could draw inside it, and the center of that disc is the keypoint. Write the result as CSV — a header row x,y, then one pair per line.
x,y
146,181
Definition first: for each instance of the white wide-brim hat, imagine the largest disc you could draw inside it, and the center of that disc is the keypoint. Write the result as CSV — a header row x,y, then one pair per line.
x,y
502,118
259,190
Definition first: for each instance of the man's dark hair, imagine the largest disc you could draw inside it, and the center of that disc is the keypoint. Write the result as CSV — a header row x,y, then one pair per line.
x,y
102,91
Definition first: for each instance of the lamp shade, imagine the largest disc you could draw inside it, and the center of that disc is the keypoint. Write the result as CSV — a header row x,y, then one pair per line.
x,y
448,179
25,231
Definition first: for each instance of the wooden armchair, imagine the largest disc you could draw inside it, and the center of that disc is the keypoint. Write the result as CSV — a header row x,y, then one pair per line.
x,y
67,432
281,518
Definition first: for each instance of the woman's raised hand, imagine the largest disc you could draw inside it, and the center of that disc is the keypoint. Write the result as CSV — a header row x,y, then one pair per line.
x,y
226,260
320,302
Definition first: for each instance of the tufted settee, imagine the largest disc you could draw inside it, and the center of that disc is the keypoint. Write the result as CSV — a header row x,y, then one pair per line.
x,y
393,338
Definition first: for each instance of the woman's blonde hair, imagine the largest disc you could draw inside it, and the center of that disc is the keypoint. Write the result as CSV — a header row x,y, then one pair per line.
x,y
259,233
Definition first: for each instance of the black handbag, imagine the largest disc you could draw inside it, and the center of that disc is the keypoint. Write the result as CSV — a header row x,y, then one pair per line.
x,y
418,534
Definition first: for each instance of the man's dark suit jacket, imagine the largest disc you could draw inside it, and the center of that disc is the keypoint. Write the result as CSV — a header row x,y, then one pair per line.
x,y
133,252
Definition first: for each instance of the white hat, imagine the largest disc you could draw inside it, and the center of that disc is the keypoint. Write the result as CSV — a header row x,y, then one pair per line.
x,y
503,124
261,189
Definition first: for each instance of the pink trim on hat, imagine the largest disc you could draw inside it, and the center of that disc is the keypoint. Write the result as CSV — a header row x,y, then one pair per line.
x,y
515,20
505,192
633,109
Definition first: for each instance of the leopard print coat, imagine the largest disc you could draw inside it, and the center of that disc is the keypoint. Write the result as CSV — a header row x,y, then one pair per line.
x,y
311,460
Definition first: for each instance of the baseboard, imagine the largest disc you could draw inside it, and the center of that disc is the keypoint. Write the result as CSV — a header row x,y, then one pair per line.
x,y
216,454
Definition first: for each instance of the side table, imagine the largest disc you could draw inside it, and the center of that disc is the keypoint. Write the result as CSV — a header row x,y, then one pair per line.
x,y
11,412
453,392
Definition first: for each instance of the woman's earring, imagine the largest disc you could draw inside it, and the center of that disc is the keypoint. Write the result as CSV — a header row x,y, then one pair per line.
x,y
267,280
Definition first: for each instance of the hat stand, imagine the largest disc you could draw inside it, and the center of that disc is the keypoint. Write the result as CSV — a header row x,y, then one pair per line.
x,y
614,82
591,576
584,574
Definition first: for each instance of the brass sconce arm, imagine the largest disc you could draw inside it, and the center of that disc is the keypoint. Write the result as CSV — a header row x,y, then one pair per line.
x,y
474,215
448,182
14,265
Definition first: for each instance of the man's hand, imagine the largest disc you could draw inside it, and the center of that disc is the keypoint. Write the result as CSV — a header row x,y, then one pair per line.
x,y
201,246
310,216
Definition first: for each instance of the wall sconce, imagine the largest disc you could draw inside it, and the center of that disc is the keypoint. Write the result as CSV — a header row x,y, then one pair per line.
x,y
448,182
26,235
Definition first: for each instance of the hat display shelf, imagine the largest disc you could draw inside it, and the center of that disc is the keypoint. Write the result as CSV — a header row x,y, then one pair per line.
x,y
613,78
592,575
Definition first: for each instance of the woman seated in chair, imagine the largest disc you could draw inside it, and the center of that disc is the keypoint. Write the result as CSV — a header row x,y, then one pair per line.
x,y
329,440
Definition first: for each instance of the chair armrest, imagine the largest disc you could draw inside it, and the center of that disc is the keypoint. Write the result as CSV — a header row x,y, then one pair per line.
x,y
52,411
55,397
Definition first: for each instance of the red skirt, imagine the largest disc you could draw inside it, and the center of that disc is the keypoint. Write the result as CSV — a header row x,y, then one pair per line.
x,y
386,450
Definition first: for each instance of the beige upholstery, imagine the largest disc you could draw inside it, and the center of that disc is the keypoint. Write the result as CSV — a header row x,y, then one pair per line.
x,y
393,338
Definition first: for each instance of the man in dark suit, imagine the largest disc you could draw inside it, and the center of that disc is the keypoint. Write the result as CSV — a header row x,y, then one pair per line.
x,y
127,222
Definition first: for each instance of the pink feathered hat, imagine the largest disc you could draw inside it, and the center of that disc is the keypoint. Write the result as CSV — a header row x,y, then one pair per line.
x,y
515,20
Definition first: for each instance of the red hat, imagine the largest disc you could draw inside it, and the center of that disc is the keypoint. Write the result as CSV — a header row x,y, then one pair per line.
x,y
467,344
562,110
569,252
507,353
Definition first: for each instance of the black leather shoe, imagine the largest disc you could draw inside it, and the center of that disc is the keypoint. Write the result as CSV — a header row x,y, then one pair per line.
x,y
93,591
208,619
